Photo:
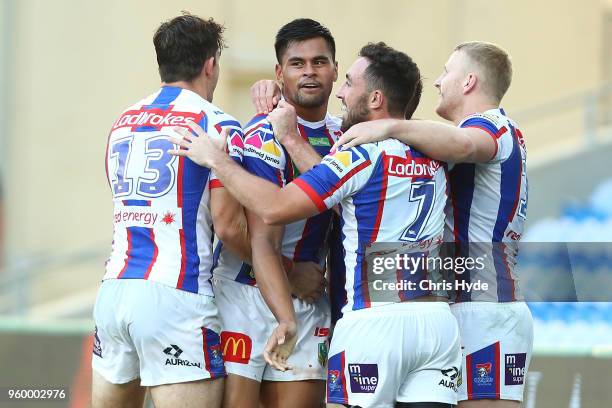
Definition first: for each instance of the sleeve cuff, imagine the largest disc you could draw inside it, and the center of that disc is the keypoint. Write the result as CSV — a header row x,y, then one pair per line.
x,y
311,193
494,136
215,183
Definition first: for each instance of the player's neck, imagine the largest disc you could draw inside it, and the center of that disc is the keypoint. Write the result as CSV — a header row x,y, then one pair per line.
x,y
315,114
198,87
382,114
475,106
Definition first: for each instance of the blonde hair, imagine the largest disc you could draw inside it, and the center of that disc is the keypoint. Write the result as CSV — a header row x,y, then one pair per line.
x,y
495,64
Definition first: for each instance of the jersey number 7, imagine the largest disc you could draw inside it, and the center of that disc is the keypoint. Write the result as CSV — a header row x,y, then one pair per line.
x,y
423,193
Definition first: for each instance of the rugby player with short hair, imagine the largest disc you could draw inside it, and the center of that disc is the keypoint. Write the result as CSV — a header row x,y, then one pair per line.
x,y
403,350
155,315
306,68
485,214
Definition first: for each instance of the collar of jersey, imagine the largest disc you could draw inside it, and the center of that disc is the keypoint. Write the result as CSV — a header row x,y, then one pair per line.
x,y
313,125
192,95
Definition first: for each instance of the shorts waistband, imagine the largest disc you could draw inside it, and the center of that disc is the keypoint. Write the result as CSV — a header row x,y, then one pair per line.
x,y
487,305
402,307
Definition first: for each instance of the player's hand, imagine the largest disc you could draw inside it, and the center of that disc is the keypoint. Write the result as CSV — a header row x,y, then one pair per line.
x,y
280,345
366,132
203,149
265,94
284,122
307,280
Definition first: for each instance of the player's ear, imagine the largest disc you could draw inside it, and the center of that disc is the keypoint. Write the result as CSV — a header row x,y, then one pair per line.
x,y
470,82
209,66
376,99
335,71
279,73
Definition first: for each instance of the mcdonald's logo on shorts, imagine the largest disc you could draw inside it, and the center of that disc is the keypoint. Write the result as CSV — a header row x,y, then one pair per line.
x,y
236,347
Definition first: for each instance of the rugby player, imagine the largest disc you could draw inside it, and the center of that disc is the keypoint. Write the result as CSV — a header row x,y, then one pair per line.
x,y
403,351
306,68
485,214
155,315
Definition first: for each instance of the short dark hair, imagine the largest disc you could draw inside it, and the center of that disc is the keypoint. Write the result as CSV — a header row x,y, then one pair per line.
x,y
392,72
302,29
414,101
183,44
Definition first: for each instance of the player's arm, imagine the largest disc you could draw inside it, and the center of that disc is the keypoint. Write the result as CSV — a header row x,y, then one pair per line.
x,y
274,205
267,200
266,241
284,123
230,223
437,140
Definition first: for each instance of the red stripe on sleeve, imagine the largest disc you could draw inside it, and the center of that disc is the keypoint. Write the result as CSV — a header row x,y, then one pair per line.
x,y
311,193
216,183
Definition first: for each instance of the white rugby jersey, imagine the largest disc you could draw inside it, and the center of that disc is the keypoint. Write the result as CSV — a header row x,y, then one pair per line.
x,y
265,157
387,192
487,208
162,221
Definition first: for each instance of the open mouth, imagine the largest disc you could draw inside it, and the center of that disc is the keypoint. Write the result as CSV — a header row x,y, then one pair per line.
x,y
310,86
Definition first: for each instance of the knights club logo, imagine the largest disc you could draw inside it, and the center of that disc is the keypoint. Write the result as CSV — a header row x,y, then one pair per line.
x,y
483,373
216,355
333,380
483,370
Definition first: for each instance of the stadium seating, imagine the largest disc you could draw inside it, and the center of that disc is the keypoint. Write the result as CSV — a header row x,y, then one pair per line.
x,y
582,326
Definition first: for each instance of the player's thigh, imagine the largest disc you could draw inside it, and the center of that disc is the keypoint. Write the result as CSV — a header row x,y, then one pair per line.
x,y
241,392
489,403
194,394
114,356
105,394
176,335
242,340
364,367
294,394
308,359
497,341
434,373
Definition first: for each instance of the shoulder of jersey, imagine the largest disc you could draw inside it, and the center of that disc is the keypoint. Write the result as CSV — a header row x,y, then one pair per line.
x,y
342,161
259,141
224,120
493,116
258,130
143,102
